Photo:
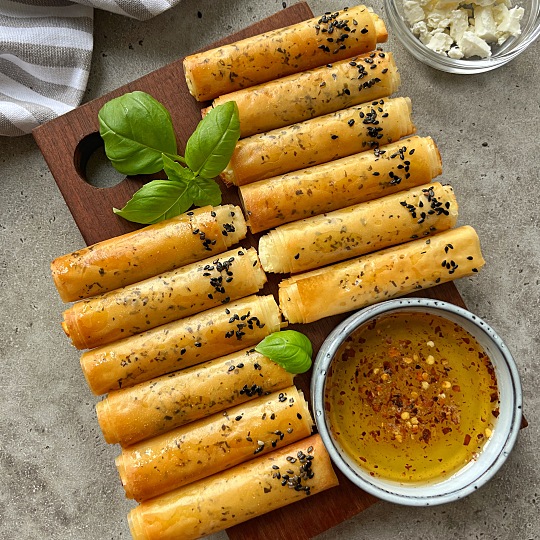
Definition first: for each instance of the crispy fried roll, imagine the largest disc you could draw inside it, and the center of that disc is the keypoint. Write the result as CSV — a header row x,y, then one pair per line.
x,y
319,140
154,407
383,275
312,93
213,444
181,344
236,495
341,183
356,230
147,252
281,52
161,299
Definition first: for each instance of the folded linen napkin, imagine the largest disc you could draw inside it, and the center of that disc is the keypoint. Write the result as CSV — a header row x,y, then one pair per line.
x,y
45,55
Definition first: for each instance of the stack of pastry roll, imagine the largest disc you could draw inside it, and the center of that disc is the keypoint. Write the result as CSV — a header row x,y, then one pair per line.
x,y
164,298
312,93
215,443
382,275
180,344
154,407
359,229
133,257
319,140
233,496
285,51
351,180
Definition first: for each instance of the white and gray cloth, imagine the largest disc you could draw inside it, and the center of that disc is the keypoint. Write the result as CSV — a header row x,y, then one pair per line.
x,y
45,55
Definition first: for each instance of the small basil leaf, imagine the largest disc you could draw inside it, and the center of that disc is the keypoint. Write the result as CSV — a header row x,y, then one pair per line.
x,y
156,201
204,191
290,349
136,130
210,147
175,171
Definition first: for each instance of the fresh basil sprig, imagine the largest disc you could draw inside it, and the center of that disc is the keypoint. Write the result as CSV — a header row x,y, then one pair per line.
x,y
290,349
139,139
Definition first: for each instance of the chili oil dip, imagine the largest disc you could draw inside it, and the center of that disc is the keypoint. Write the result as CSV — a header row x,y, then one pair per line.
x,y
411,397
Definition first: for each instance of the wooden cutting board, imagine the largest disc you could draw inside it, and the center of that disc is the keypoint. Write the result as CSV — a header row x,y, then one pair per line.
x,y
67,144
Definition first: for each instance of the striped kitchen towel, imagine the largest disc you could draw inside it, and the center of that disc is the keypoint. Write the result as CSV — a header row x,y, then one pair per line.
x,y
45,55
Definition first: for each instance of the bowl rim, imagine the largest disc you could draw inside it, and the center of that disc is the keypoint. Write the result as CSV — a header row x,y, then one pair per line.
x,y
321,365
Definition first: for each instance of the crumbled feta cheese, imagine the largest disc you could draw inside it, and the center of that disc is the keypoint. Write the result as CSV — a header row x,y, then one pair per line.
x,y
472,45
461,29
511,21
459,23
413,11
485,26
455,52
439,42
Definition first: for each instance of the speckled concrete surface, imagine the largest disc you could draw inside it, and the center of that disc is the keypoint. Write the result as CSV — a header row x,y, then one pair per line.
x,y
58,479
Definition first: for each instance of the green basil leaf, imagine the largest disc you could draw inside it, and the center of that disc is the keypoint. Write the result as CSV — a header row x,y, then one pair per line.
x,y
290,349
205,191
210,147
137,130
156,201
175,171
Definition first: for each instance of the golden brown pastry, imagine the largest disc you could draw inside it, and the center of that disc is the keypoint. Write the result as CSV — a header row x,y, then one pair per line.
x,y
284,51
236,495
152,250
164,298
312,93
319,140
341,183
181,344
359,229
213,444
154,407
383,275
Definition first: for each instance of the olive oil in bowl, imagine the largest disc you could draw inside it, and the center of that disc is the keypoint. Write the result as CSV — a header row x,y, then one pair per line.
x,y
411,397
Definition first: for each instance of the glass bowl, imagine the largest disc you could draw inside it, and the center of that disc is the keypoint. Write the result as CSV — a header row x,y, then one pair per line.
x,y
501,55
476,472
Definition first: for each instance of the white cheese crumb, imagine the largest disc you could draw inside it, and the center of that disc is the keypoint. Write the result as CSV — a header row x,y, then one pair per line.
x,y
463,29
472,45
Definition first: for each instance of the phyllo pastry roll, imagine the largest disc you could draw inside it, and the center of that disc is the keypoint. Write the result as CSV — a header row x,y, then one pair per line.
x,y
236,495
213,444
319,140
274,54
154,407
383,275
312,93
180,344
359,229
164,298
347,181
149,251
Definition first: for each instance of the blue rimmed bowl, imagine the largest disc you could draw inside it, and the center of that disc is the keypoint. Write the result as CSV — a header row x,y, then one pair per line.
x,y
495,451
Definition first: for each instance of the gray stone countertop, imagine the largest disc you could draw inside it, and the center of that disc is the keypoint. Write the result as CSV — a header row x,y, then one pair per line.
x,y
58,479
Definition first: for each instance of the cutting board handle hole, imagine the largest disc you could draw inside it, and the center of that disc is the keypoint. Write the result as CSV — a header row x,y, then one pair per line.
x,y
92,163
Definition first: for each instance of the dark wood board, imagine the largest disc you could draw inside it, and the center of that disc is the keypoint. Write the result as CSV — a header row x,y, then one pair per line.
x,y
67,144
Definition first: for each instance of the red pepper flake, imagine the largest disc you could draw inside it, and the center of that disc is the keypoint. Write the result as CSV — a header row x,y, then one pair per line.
x,y
467,440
